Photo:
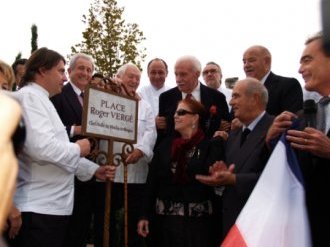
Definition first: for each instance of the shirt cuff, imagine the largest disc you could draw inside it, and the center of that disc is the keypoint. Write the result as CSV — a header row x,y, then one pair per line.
x,y
72,131
86,169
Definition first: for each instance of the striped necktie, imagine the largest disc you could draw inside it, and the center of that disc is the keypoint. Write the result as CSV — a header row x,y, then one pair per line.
x,y
81,98
323,103
189,96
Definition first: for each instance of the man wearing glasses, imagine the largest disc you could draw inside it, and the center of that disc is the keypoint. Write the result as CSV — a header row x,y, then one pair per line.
x,y
212,76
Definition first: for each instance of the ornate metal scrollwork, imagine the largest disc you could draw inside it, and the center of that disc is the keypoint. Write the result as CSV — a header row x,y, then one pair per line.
x,y
115,159
119,158
102,158
94,149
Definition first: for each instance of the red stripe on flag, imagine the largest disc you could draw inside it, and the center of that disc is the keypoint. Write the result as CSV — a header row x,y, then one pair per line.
x,y
234,238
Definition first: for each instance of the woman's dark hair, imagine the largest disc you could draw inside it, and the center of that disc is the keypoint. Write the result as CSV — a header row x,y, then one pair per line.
x,y
196,107
20,61
42,58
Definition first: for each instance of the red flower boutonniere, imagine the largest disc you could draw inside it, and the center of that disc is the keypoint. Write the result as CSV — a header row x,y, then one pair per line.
x,y
213,111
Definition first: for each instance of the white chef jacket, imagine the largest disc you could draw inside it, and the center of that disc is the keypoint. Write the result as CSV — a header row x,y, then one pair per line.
x,y
150,94
227,92
48,161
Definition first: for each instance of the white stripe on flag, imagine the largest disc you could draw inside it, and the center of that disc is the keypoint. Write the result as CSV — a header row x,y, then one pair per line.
x,y
275,213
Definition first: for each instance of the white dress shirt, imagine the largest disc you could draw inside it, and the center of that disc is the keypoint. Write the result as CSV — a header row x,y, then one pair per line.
x,y
263,79
227,92
151,95
254,123
48,161
196,93
311,95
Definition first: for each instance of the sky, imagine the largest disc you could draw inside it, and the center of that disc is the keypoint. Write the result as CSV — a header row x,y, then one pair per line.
x,y
211,30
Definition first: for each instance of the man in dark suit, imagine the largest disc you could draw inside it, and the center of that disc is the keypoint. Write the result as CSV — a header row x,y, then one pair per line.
x,y
69,105
187,71
246,153
312,145
285,94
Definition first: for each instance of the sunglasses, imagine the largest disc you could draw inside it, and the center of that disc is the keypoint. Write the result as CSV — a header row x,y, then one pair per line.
x,y
182,112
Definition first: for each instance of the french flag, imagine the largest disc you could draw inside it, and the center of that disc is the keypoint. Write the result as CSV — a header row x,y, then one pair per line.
x,y
275,213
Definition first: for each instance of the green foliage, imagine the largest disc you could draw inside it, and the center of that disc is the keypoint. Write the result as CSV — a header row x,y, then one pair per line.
x,y
120,231
34,38
119,219
18,56
108,39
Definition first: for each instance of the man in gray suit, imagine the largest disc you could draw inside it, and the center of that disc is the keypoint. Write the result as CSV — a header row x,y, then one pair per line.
x,y
246,155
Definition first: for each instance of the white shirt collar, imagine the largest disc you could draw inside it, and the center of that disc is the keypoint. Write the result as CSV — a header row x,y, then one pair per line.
x,y
40,88
75,88
253,124
265,77
196,93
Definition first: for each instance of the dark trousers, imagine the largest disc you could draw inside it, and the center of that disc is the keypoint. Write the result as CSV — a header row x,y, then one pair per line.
x,y
217,219
41,230
182,231
80,220
98,219
117,215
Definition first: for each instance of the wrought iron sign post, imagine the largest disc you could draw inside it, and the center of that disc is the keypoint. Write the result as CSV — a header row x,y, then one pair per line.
x,y
111,115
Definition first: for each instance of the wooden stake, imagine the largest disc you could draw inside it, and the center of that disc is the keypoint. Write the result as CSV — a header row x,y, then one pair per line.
x,y
107,211
125,204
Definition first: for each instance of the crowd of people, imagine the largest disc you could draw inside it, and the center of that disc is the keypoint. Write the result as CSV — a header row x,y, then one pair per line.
x,y
200,149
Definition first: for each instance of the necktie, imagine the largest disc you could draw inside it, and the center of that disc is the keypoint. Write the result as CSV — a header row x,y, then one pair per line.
x,y
324,101
244,135
81,98
189,96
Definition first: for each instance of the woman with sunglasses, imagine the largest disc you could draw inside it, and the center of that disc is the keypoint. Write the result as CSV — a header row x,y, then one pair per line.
x,y
180,205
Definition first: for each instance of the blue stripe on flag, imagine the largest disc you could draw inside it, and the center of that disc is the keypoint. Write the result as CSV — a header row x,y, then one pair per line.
x,y
292,159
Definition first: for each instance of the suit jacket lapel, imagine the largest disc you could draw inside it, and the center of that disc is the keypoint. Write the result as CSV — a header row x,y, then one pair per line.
x,y
205,100
177,95
268,83
254,140
73,100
